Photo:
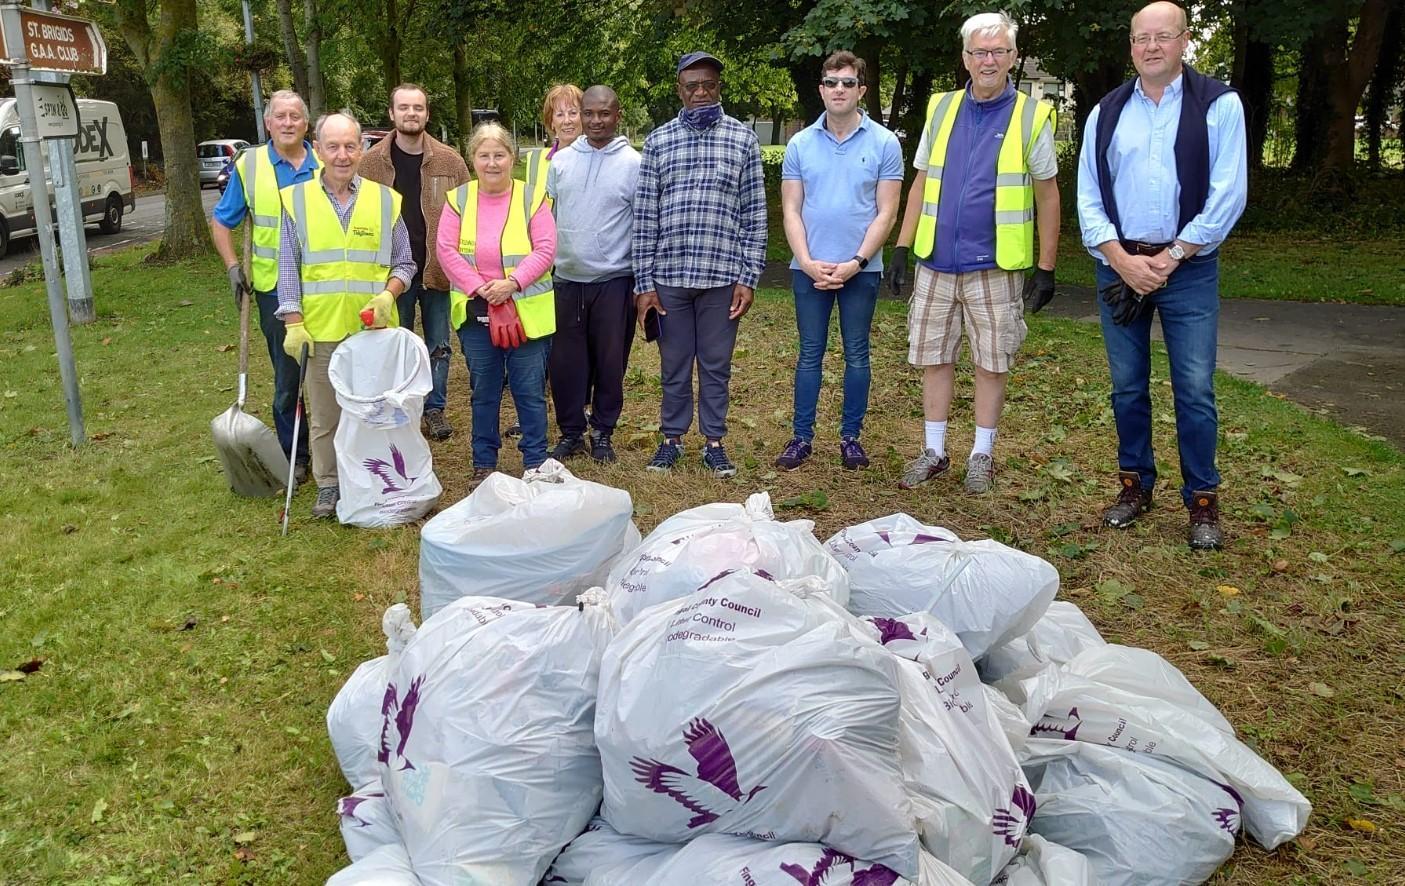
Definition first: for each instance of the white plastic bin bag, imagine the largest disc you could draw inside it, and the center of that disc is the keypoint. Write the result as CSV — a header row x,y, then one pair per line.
x,y
688,549
1042,863
544,539
760,709
1140,820
354,717
1060,634
387,866
492,766
1132,698
384,467
722,860
986,592
366,821
599,848
971,799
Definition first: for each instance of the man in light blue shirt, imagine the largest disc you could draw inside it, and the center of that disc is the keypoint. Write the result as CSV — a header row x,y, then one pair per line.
x,y
1162,178
840,186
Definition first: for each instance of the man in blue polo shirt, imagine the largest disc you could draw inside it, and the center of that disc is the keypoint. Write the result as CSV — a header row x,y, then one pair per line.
x,y
253,190
840,186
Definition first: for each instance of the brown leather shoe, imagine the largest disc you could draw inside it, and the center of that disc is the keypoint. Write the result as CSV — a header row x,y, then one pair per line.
x,y
1132,501
1205,532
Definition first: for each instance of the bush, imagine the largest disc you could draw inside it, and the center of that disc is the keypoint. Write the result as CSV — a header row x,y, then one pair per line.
x,y
771,158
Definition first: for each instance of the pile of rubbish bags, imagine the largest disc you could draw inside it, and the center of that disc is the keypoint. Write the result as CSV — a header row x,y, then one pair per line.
x,y
735,702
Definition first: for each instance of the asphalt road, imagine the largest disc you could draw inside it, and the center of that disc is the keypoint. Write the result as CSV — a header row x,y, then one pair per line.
x,y
142,224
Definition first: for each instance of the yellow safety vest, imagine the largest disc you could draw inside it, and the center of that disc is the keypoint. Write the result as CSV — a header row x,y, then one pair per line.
x,y
536,164
341,268
260,181
1014,189
536,304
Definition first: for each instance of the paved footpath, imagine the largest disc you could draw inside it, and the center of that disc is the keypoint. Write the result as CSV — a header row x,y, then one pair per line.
x,y
1345,360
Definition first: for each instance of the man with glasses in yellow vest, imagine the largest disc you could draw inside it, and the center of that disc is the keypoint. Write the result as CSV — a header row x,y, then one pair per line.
x,y
342,248
259,174
986,171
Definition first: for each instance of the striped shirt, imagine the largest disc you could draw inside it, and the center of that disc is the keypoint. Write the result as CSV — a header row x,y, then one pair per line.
x,y
402,260
700,208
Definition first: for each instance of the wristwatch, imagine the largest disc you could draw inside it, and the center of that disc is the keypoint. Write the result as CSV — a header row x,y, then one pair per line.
x,y
863,262
1176,252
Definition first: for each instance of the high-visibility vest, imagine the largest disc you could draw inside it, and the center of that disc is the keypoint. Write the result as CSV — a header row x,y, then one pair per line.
x,y
536,163
260,181
341,268
1014,189
536,304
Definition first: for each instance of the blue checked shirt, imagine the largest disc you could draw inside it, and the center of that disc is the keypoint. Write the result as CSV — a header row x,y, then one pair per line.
x,y
700,208
402,261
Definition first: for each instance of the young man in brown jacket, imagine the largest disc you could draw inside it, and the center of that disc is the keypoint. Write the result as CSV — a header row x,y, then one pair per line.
x,y
417,165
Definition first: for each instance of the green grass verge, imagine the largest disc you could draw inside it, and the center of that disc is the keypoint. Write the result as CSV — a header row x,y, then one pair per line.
x,y
174,732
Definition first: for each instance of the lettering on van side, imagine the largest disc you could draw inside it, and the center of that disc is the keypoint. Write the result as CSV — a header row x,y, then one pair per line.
x,y
92,136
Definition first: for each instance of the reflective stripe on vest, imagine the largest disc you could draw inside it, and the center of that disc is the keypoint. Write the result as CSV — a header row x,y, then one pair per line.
x,y
1014,189
260,181
536,303
342,268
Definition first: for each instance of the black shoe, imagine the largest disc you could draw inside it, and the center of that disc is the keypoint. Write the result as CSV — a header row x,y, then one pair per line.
x,y
1205,532
513,430
1132,501
301,471
666,456
569,447
601,449
438,425
715,460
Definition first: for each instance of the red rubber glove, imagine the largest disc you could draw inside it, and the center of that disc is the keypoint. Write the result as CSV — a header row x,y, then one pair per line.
x,y
504,326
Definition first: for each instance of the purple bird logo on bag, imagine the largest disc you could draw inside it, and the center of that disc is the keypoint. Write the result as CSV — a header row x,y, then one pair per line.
x,y
714,791
878,875
1010,823
1227,818
346,808
402,714
890,629
381,469
1050,726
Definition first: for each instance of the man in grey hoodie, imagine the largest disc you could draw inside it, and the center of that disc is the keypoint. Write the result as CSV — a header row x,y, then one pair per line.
x,y
592,183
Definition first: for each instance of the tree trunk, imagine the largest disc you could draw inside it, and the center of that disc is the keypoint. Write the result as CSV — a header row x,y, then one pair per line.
x,y
871,51
1384,82
1336,86
316,87
187,233
1253,77
463,96
1310,121
292,49
778,125
390,48
915,116
1089,87
900,86
802,75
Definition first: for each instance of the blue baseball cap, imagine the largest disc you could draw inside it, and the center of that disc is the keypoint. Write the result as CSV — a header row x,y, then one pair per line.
x,y
688,59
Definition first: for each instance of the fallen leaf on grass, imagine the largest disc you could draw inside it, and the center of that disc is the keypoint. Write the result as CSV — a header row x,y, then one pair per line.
x,y
1397,545
190,624
1227,590
1280,566
10,676
1355,472
1318,557
225,349
98,809
815,499
185,303
1322,689
31,666
107,340
1198,645
1306,843
1360,824
244,855
68,529
245,837
1356,867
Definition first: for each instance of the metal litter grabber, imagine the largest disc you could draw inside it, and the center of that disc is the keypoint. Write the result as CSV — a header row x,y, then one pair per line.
x,y
253,460
297,425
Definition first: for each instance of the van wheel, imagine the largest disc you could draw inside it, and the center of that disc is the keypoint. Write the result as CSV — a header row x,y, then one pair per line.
x,y
4,238
111,215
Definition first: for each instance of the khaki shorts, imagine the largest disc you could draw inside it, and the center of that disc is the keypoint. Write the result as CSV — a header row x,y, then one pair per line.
x,y
989,304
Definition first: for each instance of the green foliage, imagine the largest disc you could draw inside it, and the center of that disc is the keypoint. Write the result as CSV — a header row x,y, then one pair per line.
x,y
771,158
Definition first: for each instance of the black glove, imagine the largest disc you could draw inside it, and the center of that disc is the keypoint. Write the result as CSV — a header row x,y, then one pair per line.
x,y
1038,290
896,272
1126,304
238,284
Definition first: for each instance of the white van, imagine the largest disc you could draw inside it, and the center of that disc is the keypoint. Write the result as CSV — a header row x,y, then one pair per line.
x,y
104,171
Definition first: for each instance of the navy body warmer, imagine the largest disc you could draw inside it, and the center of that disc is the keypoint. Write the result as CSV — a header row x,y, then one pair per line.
x,y
1192,143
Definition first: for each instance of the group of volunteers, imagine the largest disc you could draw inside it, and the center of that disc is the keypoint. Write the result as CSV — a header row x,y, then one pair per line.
x,y
544,276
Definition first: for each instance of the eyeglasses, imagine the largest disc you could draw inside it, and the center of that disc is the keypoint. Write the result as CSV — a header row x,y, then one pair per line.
x,y
1158,39
701,85
983,54
835,82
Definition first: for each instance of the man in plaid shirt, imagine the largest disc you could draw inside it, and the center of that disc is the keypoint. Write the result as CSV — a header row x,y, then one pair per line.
x,y
699,247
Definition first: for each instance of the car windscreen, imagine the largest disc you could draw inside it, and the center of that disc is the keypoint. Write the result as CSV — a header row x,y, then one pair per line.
x,y
212,151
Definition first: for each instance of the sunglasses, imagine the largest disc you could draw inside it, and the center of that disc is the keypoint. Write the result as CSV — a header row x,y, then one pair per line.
x,y
836,82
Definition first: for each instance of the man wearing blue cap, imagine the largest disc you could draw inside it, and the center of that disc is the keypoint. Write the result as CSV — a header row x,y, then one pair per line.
x,y
699,248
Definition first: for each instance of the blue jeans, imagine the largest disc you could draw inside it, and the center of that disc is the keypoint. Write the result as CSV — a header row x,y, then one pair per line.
x,y
812,310
1190,308
434,318
285,376
525,370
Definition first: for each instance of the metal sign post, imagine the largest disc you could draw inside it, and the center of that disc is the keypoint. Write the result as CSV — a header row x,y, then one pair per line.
x,y
13,29
258,91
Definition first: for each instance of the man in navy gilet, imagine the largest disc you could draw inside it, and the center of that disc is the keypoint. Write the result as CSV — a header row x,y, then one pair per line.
x,y
1162,178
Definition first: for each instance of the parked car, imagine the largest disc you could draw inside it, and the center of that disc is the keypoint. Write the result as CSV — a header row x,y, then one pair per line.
x,y
370,137
214,154
222,180
103,164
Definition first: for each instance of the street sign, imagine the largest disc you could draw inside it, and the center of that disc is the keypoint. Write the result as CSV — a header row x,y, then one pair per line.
x,y
54,42
144,150
56,110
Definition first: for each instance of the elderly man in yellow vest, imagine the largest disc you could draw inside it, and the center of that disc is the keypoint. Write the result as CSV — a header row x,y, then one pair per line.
x,y
985,162
342,242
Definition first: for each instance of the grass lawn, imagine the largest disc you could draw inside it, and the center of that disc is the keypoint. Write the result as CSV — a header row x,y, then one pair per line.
x,y
174,730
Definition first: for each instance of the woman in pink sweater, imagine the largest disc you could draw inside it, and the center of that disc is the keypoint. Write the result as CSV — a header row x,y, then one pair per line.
x,y
495,312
